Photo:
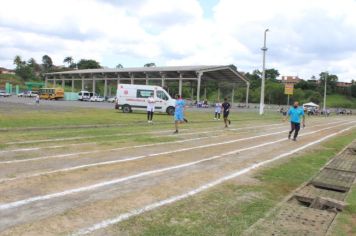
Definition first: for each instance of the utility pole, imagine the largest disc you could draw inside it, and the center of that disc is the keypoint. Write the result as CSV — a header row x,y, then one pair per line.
x,y
264,49
325,82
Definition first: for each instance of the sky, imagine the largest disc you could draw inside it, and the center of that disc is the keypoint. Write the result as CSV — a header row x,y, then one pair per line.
x,y
305,37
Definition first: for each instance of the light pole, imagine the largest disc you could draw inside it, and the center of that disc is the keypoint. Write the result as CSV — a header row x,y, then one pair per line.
x,y
325,82
264,49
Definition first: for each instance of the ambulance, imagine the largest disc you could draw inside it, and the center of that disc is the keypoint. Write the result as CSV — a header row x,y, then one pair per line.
x,y
131,97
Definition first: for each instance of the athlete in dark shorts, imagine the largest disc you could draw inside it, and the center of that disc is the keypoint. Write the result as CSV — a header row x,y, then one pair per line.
x,y
226,110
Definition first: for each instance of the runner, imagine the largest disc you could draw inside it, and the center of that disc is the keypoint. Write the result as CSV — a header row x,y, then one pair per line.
x,y
217,110
226,110
179,112
150,108
295,113
37,99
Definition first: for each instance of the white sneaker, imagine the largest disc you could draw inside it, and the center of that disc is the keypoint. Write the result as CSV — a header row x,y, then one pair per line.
x,y
218,119
214,118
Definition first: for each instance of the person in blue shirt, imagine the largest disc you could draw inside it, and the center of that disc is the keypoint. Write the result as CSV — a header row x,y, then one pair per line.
x,y
179,112
295,113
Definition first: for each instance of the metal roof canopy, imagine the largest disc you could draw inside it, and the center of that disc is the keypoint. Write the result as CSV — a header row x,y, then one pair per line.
x,y
220,73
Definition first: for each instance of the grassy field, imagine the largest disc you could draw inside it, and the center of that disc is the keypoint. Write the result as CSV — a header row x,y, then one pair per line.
x,y
231,208
338,100
54,124
345,223
18,118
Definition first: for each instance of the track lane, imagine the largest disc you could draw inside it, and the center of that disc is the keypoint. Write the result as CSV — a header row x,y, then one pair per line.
x,y
89,208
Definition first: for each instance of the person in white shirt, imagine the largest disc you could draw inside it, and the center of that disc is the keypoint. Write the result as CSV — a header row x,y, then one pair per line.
x,y
37,99
217,110
150,108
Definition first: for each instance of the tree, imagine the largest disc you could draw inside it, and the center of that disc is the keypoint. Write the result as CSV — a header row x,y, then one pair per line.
x,y
47,63
271,74
69,60
88,64
119,66
254,78
18,61
353,90
34,65
150,64
331,81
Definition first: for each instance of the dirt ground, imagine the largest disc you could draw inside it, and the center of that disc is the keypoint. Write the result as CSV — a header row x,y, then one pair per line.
x,y
56,191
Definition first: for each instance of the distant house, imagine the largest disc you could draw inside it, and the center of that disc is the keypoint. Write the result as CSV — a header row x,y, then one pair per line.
x,y
343,84
313,81
6,71
290,79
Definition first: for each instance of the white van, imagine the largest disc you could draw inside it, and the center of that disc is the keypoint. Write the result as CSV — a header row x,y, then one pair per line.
x,y
84,96
134,97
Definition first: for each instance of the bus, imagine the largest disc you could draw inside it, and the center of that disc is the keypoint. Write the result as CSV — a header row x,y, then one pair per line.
x,y
51,93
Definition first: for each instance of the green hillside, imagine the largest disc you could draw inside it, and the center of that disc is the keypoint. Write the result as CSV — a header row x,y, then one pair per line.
x,y
13,79
338,100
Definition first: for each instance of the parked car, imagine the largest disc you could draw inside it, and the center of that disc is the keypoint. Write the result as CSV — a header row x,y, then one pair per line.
x,y
3,93
30,94
97,99
112,99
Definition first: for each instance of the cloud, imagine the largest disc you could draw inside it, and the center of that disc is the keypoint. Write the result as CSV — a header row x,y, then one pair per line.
x,y
305,37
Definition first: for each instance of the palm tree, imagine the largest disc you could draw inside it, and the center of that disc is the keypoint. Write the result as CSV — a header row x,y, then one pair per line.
x,y
68,60
18,61
119,66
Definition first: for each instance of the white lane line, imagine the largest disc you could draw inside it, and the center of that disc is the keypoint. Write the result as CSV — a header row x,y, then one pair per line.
x,y
96,164
169,133
142,174
78,144
201,188
123,148
104,150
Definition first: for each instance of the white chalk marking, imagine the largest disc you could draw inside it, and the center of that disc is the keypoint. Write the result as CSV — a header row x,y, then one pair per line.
x,y
142,174
115,149
98,151
129,134
125,216
153,155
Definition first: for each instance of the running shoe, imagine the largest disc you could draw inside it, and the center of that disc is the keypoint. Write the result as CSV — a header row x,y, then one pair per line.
x,y
185,120
229,122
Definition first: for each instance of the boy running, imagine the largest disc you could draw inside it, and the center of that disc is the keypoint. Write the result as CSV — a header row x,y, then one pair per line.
x,y
226,110
217,110
295,113
150,108
179,112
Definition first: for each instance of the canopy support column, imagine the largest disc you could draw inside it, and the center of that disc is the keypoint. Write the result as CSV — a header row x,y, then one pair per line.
x,y
247,92
94,83
82,83
200,74
73,81
132,78
232,95
180,84
105,88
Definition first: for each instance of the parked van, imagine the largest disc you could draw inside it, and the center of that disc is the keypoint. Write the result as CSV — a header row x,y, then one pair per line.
x,y
134,97
84,96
